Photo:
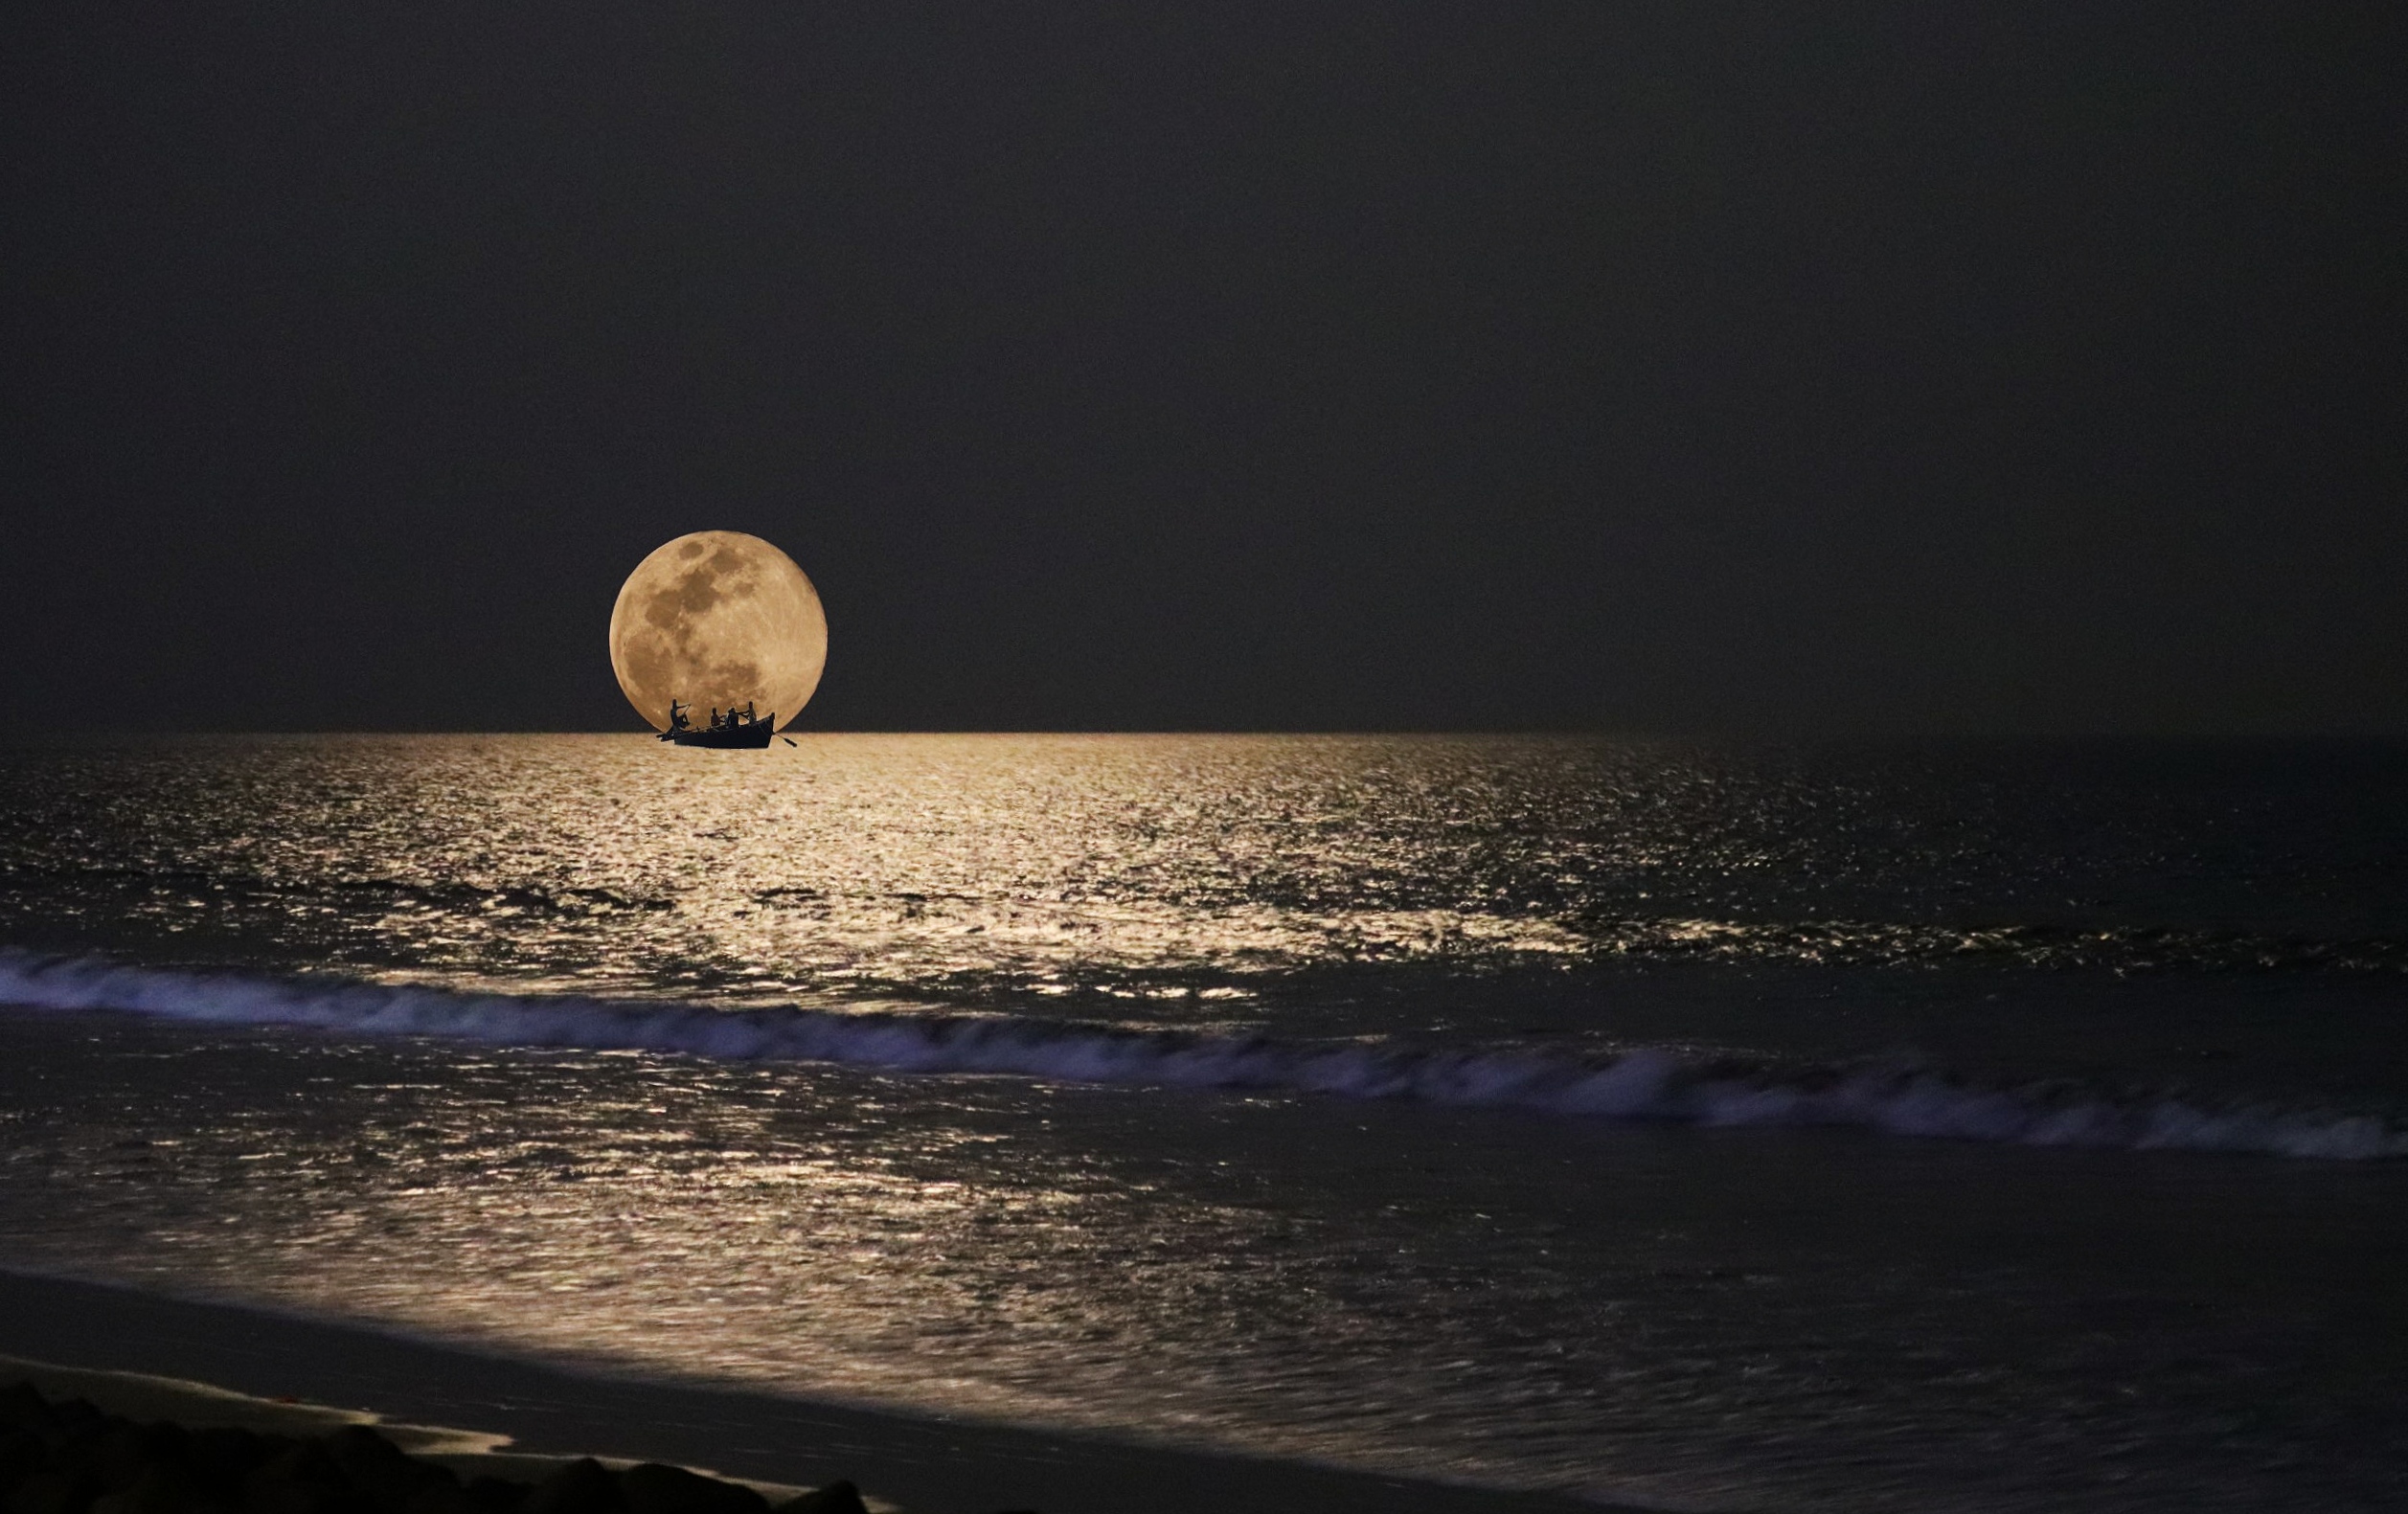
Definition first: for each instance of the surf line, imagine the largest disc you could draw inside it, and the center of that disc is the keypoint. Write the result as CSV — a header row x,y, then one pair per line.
x,y
1642,1085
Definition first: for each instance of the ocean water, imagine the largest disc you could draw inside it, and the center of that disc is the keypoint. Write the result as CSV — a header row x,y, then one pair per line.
x,y
1915,1128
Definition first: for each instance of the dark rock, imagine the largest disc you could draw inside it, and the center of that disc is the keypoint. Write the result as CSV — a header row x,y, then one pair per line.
x,y
497,1495
654,1488
118,1453
157,1491
224,1454
838,1498
22,1404
387,1476
55,1492
73,1414
75,1449
22,1453
69,1458
356,1446
444,1497
167,1443
303,1480
581,1487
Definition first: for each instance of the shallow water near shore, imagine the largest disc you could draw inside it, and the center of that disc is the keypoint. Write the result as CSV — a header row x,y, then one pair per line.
x,y
1915,1129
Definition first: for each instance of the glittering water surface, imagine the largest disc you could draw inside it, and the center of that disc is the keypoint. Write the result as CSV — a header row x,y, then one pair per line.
x,y
1529,1113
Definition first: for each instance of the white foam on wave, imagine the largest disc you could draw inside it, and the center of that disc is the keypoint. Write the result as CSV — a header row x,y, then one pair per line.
x,y
1639,1085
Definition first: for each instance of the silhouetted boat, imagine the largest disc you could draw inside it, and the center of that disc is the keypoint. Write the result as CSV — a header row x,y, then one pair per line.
x,y
729,729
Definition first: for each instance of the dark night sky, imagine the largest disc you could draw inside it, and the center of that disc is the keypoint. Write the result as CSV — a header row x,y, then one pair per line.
x,y
1678,366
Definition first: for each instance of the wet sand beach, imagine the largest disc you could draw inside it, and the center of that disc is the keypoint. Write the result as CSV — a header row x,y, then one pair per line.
x,y
199,1363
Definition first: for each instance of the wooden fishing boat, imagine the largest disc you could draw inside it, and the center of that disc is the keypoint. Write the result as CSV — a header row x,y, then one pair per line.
x,y
734,730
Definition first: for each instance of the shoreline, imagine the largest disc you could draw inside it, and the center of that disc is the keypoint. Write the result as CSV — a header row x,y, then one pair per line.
x,y
521,1415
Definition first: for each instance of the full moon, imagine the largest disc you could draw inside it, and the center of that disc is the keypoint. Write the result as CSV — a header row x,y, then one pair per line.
x,y
718,619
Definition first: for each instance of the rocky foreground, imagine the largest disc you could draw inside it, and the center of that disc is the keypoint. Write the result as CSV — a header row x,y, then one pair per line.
x,y
69,1458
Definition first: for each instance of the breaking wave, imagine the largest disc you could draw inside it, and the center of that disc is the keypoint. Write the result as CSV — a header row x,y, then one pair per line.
x,y
1638,1085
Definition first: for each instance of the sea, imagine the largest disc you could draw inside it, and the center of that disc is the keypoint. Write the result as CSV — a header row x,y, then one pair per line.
x,y
1697,1127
